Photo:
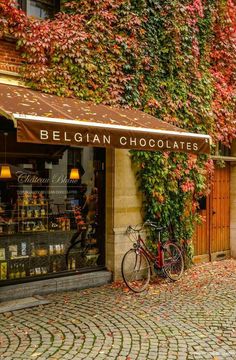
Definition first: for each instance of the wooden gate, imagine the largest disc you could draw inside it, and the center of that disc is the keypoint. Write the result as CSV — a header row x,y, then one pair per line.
x,y
212,238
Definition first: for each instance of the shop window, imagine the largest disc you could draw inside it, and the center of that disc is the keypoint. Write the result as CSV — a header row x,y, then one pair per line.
x,y
51,222
40,8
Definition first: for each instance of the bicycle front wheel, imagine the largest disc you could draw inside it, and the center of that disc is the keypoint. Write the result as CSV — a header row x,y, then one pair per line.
x,y
136,271
173,261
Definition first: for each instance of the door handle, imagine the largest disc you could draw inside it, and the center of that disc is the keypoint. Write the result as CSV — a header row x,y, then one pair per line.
x,y
213,212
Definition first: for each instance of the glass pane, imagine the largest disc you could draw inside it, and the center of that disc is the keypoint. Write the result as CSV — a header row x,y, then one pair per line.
x,y
40,9
45,211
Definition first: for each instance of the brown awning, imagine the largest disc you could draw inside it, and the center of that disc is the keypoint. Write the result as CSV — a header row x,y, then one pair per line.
x,y
48,119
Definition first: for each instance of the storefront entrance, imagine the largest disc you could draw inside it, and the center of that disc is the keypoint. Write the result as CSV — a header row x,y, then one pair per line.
x,y
52,181
50,201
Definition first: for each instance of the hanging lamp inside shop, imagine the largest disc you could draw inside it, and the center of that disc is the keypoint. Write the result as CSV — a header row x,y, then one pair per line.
x,y
5,172
74,174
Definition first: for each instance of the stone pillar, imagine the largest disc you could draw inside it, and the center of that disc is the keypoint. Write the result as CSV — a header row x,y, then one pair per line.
x,y
233,203
124,202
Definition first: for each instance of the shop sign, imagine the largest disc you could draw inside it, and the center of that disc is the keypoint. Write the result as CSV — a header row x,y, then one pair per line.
x,y
42,132
56,179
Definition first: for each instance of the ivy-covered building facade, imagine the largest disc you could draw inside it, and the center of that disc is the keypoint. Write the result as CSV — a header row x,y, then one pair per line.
x,y
67,174
68,189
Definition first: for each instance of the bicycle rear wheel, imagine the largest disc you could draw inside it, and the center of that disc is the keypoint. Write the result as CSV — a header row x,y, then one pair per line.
x,y
173,261
135,269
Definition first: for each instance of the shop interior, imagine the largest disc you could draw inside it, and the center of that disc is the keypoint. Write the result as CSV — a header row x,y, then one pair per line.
x,y
52,209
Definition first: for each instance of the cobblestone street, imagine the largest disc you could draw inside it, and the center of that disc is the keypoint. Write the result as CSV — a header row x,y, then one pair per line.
x,y
194,318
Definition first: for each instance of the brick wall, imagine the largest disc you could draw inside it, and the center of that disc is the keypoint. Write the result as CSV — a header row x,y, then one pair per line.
x,y
10,58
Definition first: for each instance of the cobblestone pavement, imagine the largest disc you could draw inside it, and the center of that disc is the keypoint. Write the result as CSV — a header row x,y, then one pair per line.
x,y
194,318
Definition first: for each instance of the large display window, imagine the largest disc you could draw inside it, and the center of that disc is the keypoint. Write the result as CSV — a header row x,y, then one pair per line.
x,y
51,212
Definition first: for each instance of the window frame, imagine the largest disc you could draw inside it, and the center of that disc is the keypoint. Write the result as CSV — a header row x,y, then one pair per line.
x,y
23,5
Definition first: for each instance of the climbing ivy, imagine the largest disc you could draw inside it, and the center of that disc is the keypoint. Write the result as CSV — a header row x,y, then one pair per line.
x,y
174,59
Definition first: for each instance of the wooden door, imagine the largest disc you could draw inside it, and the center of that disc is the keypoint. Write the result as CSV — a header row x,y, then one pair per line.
x,y
219,208
212,237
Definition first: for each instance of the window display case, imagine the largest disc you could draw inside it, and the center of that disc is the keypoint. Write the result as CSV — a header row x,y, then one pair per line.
x,y
43,214
31,255
8,221
32,213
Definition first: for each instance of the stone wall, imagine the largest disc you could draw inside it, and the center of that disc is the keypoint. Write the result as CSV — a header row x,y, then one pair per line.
x,y
124,203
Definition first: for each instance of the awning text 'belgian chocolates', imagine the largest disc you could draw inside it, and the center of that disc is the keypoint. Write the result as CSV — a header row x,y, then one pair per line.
x,y
47,119
87,134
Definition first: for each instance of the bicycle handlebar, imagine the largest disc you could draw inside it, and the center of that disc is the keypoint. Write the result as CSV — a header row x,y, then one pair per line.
x,y
140,227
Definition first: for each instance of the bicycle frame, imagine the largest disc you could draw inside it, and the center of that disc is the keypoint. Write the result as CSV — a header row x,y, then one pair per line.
x,y
155,259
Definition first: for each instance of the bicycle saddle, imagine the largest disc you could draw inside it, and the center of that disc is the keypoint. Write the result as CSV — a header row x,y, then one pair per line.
x,y
154,225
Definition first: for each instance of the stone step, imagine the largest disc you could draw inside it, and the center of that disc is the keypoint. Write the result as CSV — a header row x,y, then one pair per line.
x,y
65,283
19,304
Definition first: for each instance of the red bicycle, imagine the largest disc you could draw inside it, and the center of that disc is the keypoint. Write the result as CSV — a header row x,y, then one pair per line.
x,y
136,266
